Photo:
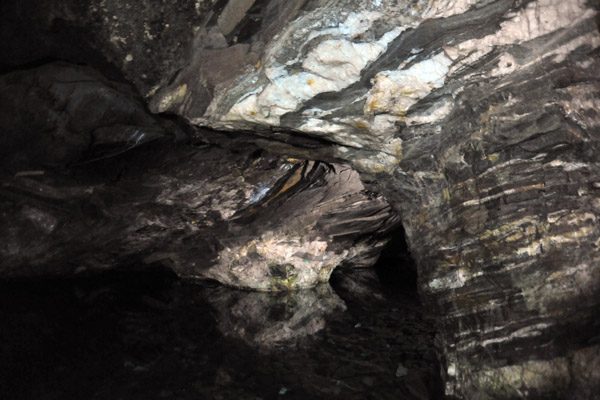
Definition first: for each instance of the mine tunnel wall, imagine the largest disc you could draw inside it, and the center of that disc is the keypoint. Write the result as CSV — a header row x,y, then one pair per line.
x,y
475,124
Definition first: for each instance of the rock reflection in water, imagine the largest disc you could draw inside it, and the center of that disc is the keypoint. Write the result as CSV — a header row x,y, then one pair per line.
x,y
151,336
270,320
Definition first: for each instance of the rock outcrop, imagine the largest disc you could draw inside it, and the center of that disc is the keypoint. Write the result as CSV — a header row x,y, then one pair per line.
x,y
477,120
92,181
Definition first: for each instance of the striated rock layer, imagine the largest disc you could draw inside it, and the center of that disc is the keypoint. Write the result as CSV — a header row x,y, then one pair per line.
x,y
91,181
477,120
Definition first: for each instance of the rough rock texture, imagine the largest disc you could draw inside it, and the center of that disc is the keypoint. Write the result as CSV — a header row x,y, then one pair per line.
x,y
143,40
91,181
477,120
149,41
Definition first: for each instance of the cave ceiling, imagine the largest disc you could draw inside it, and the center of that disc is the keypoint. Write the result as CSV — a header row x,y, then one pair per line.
x,y
264,143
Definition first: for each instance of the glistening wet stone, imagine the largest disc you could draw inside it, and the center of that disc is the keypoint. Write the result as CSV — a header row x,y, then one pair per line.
x,y
151,336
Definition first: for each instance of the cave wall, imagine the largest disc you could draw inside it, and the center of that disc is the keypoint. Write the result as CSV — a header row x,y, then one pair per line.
x,y
477,120
92,181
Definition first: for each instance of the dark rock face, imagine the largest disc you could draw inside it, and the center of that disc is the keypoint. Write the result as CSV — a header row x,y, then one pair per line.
x,y
105,182
61,114
507,233
150,42
478,122
143,40
147,335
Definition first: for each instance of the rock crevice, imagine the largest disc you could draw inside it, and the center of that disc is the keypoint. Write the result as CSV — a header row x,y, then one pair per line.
x,y
476,122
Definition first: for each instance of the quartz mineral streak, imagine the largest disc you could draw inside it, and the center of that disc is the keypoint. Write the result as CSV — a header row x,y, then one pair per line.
x,y
478,122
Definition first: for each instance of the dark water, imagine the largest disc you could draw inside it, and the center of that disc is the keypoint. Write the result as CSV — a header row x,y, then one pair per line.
x,y
149,336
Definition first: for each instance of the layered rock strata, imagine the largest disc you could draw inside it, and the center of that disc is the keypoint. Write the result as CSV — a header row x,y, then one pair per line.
x,y
91,181
477,120
479,123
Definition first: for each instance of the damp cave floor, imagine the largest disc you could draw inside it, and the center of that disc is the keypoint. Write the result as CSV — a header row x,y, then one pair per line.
x,y
131,335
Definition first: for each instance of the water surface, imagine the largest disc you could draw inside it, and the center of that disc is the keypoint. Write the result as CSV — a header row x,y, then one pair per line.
x,y
127,335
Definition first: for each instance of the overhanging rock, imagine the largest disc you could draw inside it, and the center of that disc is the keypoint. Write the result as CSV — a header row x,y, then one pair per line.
x,y
477,120
91,181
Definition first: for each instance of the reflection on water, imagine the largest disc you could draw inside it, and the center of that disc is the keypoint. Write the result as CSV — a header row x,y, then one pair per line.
x,y
149,336
270,320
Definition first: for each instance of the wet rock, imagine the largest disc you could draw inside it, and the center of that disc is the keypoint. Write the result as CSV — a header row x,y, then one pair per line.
x,y
110,184
149,41
135,350
143,41
478,122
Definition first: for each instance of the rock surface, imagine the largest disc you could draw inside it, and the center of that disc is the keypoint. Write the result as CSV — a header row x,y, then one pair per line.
x,y
477,120
479,123
106,184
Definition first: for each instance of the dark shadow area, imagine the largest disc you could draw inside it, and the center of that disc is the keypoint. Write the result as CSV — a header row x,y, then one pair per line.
x,y
141,332
395,267
148,335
